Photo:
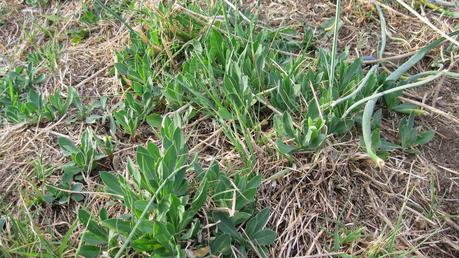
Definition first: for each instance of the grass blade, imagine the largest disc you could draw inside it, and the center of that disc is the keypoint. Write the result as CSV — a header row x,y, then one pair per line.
x,y
366,131
399,88
395,75
428,23
383,31
362,85
334,49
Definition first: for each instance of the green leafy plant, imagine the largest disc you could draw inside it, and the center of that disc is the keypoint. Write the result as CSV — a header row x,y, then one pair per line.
x,y
344,236
308,137
163,217
47,54
162,214
68,188
57,106
239,226
134,112
89,15
18,100
83,110
84,156
128,119
409,136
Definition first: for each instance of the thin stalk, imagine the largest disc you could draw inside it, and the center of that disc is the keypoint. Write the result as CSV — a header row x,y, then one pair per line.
x,y
359,88
427,73
420,53
403,87
331,76
383,31
426,21
366,131
373,68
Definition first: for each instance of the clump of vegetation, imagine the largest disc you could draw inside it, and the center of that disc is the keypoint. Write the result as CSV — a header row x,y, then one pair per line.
x,y
261,86
163,219
84,159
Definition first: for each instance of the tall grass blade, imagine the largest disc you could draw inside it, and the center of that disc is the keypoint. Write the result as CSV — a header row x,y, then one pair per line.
x,y
428,23
362,85
114,14
399,88
331,75
366,131
383,31
395,75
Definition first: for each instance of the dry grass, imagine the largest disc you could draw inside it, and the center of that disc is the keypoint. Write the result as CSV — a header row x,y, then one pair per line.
x,y
414,197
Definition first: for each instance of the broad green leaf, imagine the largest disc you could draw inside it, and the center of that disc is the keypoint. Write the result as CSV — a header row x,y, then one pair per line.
x,y
408,134
134,172
285,148
146,226
147,165
240,217
424,137
169,160
340,126
313,110
85,218
192,230
103,214
407,108
198,201
111,182
163,235
224,113
151,246
221,244
288,125
264,237
141,205
77,197
226,225
154,120
90,251
67,146
387,146
258,222
122,69
120,226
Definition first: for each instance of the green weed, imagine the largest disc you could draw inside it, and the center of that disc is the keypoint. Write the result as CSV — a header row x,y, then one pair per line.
x,y
409,136
86,154
163,218
84,159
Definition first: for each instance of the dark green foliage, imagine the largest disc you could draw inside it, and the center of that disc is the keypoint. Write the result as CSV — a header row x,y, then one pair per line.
x,y
409,136
159,201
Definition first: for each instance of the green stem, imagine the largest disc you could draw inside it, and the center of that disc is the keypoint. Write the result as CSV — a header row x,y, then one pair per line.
x,y
403,87
331,76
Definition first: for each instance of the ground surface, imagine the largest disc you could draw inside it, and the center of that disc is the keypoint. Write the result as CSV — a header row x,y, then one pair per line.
x,y
408,207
